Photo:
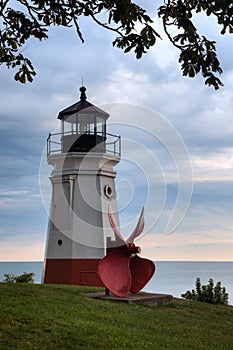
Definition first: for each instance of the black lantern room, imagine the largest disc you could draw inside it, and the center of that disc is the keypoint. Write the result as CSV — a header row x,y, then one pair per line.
x,y
83,126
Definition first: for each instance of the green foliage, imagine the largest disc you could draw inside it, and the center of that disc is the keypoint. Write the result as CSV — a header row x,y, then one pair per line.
x,y
9,278
208,293
197,53
22,19
24,278
38,15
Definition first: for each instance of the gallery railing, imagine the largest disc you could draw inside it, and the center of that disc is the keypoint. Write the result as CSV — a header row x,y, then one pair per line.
x,y
91,141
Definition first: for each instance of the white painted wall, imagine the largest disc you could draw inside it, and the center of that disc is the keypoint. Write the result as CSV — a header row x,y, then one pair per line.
x,y
79,205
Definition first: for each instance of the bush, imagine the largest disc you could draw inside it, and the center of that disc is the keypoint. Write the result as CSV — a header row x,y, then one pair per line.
x,y
9,278
207,293
24,278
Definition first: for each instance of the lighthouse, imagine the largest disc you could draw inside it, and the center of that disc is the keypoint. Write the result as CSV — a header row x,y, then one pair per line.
x,y
83,155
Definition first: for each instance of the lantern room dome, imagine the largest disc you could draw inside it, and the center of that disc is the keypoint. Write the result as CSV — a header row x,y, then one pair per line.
x,y
82,105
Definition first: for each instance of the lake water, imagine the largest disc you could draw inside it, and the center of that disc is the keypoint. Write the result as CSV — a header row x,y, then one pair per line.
x,y
176,277
171,277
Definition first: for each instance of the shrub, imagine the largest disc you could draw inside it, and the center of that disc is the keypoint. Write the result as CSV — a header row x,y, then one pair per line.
x,y
9,278
24,278
207,293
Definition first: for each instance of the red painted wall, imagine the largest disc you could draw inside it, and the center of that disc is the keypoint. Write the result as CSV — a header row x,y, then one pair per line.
x,y
72,271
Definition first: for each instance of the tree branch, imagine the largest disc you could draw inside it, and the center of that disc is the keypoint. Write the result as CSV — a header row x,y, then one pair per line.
x,y
75,20
104,25
3,6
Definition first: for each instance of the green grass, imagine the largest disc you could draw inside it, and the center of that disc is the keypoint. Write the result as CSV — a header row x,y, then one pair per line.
x,y
58,317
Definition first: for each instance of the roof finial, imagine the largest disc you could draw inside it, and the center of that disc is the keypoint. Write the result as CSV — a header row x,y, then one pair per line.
x,y
83,96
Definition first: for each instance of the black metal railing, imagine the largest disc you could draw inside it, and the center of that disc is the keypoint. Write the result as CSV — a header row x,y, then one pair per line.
x,y
91,141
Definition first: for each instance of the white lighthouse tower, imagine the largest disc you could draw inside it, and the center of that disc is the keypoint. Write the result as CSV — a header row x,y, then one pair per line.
x,y
83,155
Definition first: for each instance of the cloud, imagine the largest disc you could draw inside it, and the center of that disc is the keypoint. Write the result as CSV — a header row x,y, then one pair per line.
x,y
20,249
186,247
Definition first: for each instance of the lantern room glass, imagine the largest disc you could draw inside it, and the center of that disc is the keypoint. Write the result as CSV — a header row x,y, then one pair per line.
x,y
83,131
83,123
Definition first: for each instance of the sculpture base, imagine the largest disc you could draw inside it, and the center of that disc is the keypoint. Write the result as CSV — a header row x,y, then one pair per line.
x,y
150,299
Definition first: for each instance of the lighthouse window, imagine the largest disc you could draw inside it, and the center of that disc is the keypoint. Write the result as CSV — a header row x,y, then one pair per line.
x,y
100,125
108,191
69,127
85,123
59,242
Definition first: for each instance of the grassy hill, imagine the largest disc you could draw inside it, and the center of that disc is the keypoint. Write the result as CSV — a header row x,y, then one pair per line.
x,y
58,317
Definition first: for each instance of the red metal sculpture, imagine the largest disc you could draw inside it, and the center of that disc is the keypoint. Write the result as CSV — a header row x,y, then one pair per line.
x,y
122,270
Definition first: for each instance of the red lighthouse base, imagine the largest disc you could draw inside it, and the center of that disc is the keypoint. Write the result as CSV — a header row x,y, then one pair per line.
x,y
72,271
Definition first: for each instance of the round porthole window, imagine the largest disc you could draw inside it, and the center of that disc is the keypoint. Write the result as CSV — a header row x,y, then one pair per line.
x,y
59,242
108,191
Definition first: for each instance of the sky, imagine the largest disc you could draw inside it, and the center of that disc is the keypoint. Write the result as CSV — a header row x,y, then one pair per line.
x,y
177,144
